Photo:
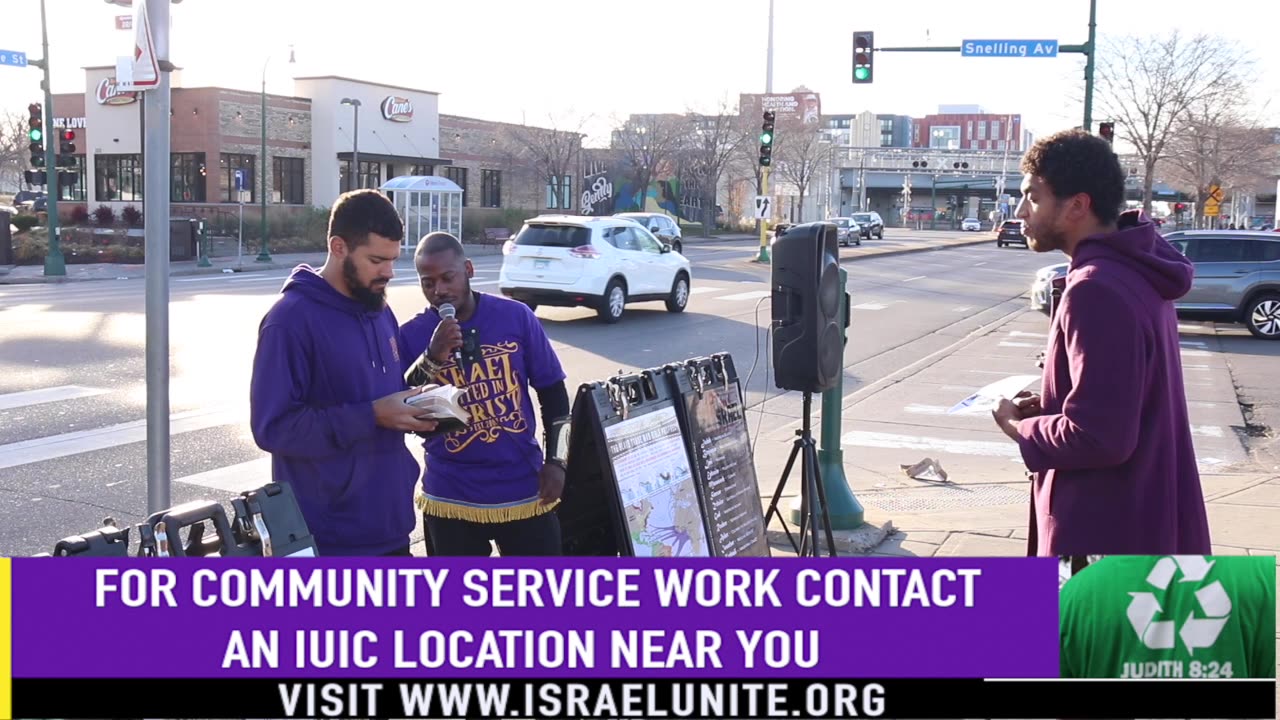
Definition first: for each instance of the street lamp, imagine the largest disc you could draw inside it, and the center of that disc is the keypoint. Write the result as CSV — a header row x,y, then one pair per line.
x,y
355,143
263,255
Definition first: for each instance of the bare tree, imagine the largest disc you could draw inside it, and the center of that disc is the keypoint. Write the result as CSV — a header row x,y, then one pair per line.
x,y
1148,85
1218,143
799,151
710,143
13,148
647,142
551,153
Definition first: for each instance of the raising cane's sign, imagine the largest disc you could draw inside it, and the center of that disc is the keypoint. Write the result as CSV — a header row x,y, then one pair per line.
x,y
397,109
109,93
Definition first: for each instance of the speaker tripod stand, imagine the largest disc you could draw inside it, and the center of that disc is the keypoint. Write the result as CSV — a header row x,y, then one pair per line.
x,y
812,514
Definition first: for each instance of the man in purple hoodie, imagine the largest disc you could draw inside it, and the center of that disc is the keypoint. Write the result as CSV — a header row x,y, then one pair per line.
x,y
327,395
1109,443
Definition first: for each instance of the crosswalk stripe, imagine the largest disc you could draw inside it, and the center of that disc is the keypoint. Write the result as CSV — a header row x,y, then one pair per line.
x,y
1206,431
1005,343
47,395
753,295
859,438
703,289
233,478
870,306
82,441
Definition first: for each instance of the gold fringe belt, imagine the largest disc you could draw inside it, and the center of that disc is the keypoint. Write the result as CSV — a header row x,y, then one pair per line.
x,y
507,512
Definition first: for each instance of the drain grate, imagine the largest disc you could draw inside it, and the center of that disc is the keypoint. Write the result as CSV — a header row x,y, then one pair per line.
x,y
944,497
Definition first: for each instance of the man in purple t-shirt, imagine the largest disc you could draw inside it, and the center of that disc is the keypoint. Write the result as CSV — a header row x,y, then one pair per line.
x,y
488,481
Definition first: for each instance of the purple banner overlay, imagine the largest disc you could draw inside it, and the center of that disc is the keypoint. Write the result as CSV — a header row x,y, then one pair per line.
x,y
559,618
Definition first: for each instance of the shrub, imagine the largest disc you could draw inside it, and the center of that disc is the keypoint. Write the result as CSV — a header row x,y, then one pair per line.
x,y
79,214
132,216
24,222
104,216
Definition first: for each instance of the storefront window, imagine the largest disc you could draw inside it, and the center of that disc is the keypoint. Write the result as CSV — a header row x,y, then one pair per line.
x,y
287,181
117,178
187,177
228,164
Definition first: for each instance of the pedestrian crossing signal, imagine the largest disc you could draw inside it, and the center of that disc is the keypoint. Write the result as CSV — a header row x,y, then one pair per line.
x,y
863,52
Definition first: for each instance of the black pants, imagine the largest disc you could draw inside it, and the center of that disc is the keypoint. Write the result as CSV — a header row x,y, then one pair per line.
x,y
532,537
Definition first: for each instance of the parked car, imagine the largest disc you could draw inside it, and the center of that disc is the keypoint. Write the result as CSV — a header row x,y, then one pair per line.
x,y
869,223
1047,287
1010,233
1237,278
598,262
664,228
846,231
971,225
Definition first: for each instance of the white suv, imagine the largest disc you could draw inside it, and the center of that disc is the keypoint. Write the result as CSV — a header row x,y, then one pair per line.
x,y
598,262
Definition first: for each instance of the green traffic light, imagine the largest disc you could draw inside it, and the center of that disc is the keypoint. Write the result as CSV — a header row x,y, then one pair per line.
x,y
36,135
862,73
766,138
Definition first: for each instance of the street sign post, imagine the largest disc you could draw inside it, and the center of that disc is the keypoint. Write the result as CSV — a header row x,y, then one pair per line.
x,y
13,57
1009,48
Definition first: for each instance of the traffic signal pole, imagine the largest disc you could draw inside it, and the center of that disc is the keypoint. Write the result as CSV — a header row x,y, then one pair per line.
x,y
763,257
1087,49
55,265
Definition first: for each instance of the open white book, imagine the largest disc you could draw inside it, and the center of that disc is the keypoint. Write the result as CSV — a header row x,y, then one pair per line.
x,y
442,403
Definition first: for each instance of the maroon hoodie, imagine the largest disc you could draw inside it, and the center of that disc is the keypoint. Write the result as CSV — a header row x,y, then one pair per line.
x,y
1114,468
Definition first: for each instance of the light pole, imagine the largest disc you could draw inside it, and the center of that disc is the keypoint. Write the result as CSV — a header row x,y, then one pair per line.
x,y
355,142
263,255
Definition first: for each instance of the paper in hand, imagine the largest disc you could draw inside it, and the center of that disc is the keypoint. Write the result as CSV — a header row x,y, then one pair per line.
x,y
988,397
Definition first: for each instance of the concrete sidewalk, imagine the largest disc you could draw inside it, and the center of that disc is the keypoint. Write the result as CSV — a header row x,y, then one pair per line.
x,y
983,510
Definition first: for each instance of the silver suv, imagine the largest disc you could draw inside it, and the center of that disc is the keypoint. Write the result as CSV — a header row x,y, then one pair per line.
x,y
1237,278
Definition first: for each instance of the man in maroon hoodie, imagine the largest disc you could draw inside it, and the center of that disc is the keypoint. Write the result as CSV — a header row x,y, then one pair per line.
x,y
1109,443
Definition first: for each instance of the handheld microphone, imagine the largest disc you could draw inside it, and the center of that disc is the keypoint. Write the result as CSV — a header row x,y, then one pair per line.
x,y
448,312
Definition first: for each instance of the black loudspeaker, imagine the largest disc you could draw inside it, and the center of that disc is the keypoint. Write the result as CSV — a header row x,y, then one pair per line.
x,y
808,303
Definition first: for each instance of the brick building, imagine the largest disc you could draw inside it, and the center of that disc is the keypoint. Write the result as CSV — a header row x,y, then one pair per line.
x,y
970,128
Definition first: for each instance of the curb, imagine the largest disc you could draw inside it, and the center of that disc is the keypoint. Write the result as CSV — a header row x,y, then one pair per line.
x,y
902,251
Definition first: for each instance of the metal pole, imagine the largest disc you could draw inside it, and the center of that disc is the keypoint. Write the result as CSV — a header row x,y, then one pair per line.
x,y
263,255
54,262
155,191
768,80
844,510
355,149
763,257
1090,51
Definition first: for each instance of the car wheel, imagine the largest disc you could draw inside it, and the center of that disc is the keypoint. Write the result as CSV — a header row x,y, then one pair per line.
x,y
858,242
679,297
880,235
615,300
677,246
1262,317
999,244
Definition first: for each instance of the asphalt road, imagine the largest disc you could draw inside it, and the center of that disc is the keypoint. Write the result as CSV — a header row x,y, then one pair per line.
x,y
73,398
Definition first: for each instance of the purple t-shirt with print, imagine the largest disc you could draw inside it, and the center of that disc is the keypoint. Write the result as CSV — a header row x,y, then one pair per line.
x,y
497,457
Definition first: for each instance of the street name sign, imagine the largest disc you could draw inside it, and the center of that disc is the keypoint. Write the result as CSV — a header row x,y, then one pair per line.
x,y
1009,48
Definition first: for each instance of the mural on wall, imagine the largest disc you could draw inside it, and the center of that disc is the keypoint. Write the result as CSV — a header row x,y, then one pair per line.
x,y
607,188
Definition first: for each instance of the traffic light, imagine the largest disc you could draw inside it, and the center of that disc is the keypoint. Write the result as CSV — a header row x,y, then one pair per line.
x,y
35,134
35,177
863,50
766,139
67,148
1107,131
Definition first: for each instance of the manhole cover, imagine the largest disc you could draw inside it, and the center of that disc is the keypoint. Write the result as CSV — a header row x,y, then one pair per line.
x,y
944,497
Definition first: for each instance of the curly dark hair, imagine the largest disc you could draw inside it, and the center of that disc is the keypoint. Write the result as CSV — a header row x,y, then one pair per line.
x,y
1073,162
358,213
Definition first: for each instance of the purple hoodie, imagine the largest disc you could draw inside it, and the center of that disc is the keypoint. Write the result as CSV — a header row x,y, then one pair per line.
x,y
322,359
1115,470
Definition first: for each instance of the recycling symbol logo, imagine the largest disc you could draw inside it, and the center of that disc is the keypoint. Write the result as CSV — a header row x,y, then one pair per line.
x,y
1195,632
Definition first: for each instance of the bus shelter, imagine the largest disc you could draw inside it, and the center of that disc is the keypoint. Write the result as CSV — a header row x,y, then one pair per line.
x,y
427,203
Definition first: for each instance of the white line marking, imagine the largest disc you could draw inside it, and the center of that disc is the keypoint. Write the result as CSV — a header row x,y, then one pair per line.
x,y
984,262
700,290
753,295
870,306
918,277
1020,333
1005,343
82,441
1196,353
989,372
915,409
1193,343
915,442
1206,431
47,395
966,308
233,478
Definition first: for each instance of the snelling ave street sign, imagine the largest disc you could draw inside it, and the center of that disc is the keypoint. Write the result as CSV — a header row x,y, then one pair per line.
x,y
1009,48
